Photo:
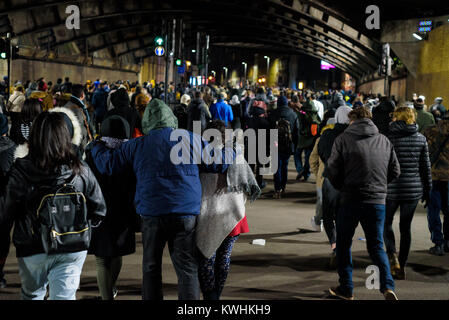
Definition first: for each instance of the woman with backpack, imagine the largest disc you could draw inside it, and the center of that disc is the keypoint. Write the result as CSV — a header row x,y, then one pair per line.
x,y
51,197
285,121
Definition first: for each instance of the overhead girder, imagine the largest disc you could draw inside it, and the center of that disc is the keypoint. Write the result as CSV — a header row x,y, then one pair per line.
x,y
275,45
258,22
296,27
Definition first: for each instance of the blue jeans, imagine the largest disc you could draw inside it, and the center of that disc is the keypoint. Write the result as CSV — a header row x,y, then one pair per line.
x,y
298,161
179,233
281,176
60,271
438,202
372,218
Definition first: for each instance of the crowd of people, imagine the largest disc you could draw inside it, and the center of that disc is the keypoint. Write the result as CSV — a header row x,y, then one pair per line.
x,y
102,151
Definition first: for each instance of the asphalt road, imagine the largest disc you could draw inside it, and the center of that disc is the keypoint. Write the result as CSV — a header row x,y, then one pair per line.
x,y
292,264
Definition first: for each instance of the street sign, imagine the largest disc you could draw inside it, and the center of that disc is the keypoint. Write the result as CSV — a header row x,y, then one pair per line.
x,y
159,51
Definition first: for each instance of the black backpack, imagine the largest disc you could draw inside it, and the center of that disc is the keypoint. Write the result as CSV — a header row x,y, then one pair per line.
x,y
284,136
61,219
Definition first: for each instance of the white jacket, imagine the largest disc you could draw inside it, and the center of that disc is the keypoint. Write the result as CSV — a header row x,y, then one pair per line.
x,y
17,100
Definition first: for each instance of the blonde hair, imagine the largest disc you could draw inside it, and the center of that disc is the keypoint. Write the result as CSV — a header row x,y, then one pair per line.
x,y
405,114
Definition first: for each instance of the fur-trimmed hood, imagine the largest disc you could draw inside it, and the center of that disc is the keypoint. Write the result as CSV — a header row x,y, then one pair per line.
x,y
21,151
77,135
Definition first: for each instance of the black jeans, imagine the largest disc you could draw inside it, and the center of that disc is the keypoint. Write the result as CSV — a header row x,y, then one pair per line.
x,y
407,211
331,205
179,232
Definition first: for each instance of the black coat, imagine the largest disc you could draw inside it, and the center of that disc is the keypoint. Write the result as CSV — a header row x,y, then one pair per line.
x,y
285,112
130,114
381,116
327,141
198,111
237,112
22,177
116,234
7,148
362,164
180,111
413,155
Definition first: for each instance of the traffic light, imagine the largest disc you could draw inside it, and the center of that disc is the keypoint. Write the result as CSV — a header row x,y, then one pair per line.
x,y
159,41
3,48
178,62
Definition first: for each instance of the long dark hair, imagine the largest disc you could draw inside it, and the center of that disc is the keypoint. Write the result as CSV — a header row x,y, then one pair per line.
x,y
30,110
50,144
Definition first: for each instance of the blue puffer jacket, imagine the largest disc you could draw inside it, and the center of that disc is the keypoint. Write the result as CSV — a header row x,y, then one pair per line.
x,y
162,187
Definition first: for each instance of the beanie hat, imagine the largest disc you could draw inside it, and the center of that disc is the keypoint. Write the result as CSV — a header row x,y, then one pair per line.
x,y
341,115
3,124
120,98
282,101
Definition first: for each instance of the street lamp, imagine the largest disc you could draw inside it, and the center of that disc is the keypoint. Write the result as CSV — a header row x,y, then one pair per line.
x,y
268,65
226,73
246,66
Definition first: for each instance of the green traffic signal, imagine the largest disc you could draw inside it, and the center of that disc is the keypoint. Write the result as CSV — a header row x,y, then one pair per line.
x,y
159,41
178,62
3,55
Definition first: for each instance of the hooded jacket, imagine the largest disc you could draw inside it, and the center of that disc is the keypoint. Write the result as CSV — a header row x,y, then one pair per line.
x,y
436,135
307,114
163,186
198,111
411,149
17,100
82,114
362,164
13,206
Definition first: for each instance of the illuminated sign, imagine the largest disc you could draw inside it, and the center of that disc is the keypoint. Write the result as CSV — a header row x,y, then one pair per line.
x,y
425,26
326,65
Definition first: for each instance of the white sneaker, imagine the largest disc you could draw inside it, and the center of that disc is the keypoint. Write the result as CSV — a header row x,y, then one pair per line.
x,y
316,227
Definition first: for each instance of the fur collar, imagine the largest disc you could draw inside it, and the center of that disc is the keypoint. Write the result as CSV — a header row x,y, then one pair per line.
x,y
77,135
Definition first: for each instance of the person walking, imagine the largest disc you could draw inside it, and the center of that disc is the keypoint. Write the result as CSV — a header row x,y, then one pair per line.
x,y
438,140
361,165
7,149
51,162
309,122
424,119
331,196
286,122
180,111
198,111
221,110
168,195
414,184
222,219
115,237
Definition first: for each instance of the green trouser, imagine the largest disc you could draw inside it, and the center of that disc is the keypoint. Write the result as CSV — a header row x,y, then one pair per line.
x,y
108,270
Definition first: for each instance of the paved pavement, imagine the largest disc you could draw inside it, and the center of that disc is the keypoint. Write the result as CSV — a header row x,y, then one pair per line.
x,y
292,264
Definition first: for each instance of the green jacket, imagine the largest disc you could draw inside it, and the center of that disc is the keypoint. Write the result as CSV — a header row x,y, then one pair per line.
x,y
157,116
424,119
